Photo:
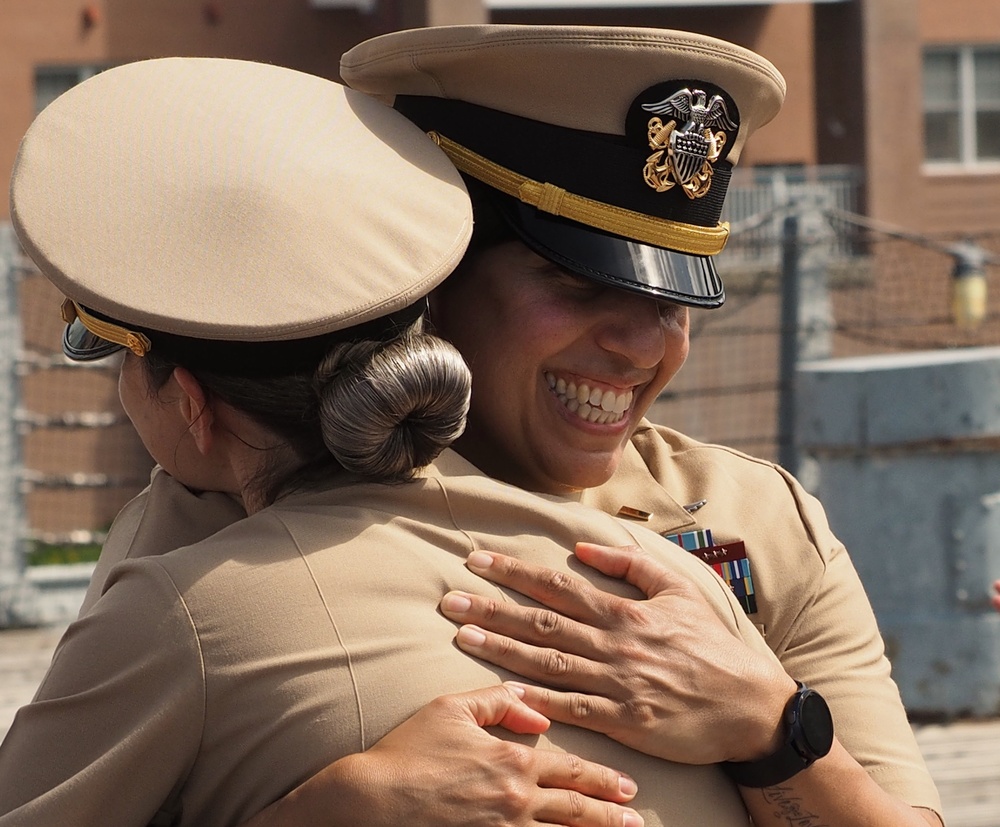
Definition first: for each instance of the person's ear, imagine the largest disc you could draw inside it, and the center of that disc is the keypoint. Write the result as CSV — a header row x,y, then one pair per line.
x,y
196,410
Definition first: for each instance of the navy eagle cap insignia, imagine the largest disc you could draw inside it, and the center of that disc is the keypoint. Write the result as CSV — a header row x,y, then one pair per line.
x,y
688,135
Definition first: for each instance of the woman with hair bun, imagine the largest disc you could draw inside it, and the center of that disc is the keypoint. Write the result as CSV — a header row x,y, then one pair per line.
x,y
407,400
377,401
213,224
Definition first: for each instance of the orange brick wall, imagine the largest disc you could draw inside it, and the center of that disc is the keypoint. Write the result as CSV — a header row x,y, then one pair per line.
x,y
53,33
901,189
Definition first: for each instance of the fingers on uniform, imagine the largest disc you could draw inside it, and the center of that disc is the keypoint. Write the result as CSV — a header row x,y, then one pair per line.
x,y
529,625
556,589
584,793
613,561
495,706
567,807
591,712
629,563
548,665
566,771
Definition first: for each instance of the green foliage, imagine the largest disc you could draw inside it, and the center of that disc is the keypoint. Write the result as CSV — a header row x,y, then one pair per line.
x,y
47,554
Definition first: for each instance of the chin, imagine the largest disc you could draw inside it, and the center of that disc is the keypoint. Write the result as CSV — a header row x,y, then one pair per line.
x,y
589,475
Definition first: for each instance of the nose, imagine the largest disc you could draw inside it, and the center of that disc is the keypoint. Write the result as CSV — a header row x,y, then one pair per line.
x,y
633,327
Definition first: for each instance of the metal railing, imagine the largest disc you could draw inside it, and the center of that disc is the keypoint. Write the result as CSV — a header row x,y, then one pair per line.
x,y
760,198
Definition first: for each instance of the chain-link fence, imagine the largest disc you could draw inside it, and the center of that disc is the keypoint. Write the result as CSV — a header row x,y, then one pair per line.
x,y
73,460
863,289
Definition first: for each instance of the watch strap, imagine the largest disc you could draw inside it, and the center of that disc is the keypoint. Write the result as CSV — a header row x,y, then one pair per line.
x,y
795,754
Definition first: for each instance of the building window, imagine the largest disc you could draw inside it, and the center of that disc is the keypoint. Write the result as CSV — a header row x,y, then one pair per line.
x,y
52,81
962,105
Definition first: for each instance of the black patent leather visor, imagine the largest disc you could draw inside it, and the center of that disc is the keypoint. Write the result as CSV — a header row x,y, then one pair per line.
x,y
81,345
641,268
89,336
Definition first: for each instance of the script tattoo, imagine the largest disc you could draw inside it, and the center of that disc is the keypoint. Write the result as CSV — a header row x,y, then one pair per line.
x,y
789,807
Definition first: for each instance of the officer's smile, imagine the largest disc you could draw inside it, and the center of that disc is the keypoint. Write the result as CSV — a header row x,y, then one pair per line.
x,y
589,400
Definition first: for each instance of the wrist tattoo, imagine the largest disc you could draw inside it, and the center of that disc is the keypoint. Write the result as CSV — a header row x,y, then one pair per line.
x,y
788,806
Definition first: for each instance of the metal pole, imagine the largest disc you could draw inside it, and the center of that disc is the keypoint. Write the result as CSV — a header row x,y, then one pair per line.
x,y
789,345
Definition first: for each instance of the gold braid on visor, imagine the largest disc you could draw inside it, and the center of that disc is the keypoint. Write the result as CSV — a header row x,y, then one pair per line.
x,y
138,343
661,232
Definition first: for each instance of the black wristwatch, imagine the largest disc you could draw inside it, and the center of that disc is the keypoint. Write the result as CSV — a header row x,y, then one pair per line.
x,y
808,737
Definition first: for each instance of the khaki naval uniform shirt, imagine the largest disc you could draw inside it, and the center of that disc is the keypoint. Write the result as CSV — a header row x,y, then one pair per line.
x,y
208,681
811,606
810,603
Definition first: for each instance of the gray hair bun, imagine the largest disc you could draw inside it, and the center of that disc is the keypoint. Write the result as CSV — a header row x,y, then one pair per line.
x,y
387,408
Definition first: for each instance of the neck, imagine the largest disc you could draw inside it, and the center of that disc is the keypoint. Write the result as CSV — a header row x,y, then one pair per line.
x,y
256,459
498,466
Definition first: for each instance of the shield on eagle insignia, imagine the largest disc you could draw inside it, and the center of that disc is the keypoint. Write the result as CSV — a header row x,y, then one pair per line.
x,y
689,129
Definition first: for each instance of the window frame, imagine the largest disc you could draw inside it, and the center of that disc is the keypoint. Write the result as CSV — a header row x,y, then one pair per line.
x,y
81,72
968,156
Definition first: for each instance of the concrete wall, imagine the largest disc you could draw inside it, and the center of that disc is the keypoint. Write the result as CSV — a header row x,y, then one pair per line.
x,y
906,453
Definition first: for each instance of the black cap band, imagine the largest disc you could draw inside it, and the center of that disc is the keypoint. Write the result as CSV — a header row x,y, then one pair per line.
x,y
602,205
605,168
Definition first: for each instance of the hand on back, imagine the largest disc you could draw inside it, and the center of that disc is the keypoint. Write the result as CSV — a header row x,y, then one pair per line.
x,y
662,675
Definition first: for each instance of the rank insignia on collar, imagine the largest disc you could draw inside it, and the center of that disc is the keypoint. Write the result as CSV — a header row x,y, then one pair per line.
x,y
691,128
634,513
729,560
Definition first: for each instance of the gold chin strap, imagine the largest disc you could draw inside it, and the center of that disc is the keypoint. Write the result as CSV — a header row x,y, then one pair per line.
x,y
684,238
109,331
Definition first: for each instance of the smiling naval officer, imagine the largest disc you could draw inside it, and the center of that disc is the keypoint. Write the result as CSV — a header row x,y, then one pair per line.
x,y
608,152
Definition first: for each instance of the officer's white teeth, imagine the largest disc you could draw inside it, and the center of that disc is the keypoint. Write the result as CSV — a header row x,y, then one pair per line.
x,y
591,404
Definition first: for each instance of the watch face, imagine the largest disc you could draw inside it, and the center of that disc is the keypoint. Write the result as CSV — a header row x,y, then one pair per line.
x,y
815,723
